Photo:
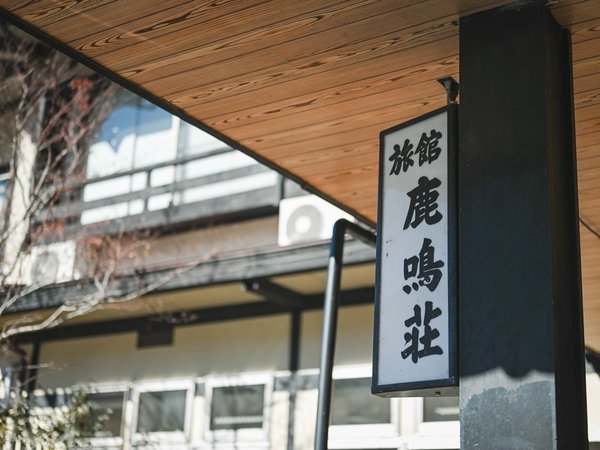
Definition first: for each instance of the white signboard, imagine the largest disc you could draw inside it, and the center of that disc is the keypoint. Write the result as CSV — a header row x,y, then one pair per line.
x,y
415,322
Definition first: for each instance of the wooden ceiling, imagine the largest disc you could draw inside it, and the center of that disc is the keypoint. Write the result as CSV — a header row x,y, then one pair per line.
x,y
308,85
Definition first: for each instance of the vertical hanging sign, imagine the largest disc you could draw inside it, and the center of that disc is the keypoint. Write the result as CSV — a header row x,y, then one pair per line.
x,y
415,350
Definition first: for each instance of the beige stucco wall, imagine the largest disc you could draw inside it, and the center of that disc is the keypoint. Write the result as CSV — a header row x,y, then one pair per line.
x,y
248,345
207,242
354,338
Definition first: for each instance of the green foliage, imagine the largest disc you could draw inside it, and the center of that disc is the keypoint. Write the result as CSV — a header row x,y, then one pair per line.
x,y
27,427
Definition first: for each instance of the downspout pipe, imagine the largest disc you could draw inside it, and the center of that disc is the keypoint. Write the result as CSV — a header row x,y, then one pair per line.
x,y
330,314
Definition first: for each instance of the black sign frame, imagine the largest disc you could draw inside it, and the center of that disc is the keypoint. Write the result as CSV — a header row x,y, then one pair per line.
x,y
447,386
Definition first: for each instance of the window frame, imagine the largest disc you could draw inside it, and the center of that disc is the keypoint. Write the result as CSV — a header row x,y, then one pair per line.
x,y
255,436
163,438
433,435
434,427
110,441
372,435
5,175
172,148
104,388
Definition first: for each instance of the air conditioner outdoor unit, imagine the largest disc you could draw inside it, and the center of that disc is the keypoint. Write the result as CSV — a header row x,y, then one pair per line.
x,y
307,218
53,263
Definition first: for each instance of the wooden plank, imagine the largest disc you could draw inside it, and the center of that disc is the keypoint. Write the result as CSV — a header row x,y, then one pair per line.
x,y
593,202
114,16
588,179
314,146
586,83
586,113
587,116
583,127
585,67
233,26
583,31
377,119
340,156
588,211
42,13
196,27
592,217
313,101
187,42
315,54
316,170
198,34
588,192
362,176
301,121
587,98
592,212
302,90
366,175
363,197
569,14
240,112
591,161
356,197
584,141
588,152
586,49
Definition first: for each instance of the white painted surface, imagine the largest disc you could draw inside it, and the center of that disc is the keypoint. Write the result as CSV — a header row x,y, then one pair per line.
x,y
400,242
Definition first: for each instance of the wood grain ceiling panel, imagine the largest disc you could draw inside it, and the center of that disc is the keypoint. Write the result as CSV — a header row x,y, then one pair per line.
x,y
219,27
248,39
47,12
367,108
330,93
378,54
308,85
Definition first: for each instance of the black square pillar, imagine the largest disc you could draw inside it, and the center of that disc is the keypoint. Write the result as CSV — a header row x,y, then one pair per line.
x,y
522,377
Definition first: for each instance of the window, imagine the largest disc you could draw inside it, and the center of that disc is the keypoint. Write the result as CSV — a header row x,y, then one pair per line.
x,y
109,407
353,403
163,411
438,425
136,134
440,409
360,419
4,180
238,408
103,427
131,168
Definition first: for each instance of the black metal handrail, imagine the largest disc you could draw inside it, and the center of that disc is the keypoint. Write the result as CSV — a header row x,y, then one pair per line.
x,y
330,315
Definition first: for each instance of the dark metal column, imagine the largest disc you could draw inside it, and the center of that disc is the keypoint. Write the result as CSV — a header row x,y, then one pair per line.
x,y
521,335
294,365
34,363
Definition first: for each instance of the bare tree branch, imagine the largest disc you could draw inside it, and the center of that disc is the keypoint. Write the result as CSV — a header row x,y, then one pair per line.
x,y
55,107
